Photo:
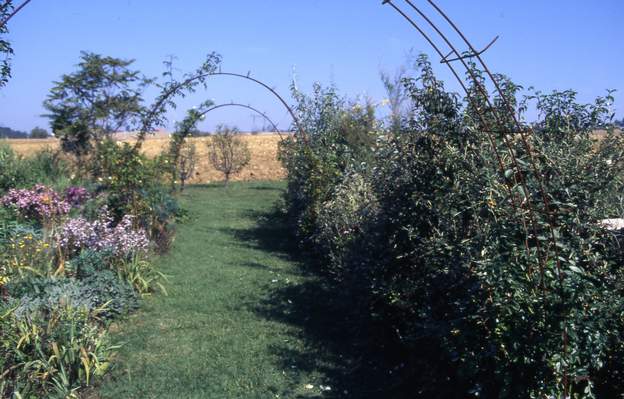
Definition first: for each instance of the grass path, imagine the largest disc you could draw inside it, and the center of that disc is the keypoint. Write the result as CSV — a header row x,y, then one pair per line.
x,y
236,322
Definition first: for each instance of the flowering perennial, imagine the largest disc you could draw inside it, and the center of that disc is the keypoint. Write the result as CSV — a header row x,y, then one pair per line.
x,y
76,196
122,239
38,203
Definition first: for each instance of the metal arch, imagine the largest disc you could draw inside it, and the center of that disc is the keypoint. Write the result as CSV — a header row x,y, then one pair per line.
x,y
15,11
264,115
167,96
519,177
519,129
482,118
549,213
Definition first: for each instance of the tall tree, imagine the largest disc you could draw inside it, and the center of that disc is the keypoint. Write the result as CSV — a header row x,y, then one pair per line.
x,y
102,97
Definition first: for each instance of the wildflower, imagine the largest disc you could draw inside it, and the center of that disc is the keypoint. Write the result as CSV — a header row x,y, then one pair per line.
x,y
122,239
39,203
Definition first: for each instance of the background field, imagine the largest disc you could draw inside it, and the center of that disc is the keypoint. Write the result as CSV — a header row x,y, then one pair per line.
x,y
263,147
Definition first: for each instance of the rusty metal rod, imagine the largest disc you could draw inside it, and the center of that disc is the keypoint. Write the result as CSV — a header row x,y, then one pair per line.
x,y
518,177
538,176
15,11
249,107
167,95
472,100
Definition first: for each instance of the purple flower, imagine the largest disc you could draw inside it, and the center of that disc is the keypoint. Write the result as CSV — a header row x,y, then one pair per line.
x,y
76,196
39,203
123,240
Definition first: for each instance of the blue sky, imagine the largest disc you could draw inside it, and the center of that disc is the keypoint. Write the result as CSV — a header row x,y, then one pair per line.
x,y
556,44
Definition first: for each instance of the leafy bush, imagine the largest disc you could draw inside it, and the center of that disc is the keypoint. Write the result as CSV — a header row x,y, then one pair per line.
x,y
342,219
51,354
339,137
103,292
11,172
452,248
45,166
134,187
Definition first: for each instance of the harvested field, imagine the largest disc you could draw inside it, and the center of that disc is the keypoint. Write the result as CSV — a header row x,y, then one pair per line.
x,y
263,148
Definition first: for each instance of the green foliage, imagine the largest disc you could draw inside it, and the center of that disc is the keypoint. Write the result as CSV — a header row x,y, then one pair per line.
x,y
102,97
11,173
39,133
142,275
340,137
6,51
228,153
451,248
103,292
45,167
51,354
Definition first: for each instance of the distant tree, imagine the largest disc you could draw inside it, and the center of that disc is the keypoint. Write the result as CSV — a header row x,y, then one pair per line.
x,y
102,97
8,133
39,133
397,95
620,123
227,152
187,162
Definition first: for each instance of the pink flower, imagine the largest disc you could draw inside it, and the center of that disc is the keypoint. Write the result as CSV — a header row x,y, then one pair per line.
x,y
123,240
39,203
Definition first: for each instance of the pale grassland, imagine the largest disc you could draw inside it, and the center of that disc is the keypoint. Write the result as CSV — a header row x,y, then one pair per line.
x,y
263,147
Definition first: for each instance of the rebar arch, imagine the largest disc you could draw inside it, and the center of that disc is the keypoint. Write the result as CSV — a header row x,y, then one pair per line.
x,y
509,115
144,130
249,107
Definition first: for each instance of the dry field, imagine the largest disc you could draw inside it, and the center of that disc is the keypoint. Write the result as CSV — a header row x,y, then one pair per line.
x,y
263,147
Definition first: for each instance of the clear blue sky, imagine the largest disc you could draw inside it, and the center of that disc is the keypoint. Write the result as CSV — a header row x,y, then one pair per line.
x,y
555,44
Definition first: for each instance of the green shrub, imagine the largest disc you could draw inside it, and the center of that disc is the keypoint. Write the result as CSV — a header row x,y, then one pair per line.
x,y
134,185
452,250
339,136
343,219
46,167
103,292
11,173
51,355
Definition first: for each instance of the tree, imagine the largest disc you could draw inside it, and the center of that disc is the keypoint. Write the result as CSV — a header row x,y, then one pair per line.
x,y
228,153
8,133
187,162
5,47
39,133
102,97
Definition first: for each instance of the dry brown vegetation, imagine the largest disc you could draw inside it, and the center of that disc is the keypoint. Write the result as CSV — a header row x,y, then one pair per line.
x,y
263,148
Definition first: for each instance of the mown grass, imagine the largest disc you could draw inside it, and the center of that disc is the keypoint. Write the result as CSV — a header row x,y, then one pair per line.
x,y
241,319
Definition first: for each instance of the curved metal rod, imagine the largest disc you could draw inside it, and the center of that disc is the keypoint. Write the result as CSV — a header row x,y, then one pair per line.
x,y
15,11
511,111
249,107
205,75
518,177
472,100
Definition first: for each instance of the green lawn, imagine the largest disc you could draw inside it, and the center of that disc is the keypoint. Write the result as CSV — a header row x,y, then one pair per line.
x,y
241,320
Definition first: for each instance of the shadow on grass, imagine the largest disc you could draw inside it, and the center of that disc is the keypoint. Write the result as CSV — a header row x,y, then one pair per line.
x,y
338,339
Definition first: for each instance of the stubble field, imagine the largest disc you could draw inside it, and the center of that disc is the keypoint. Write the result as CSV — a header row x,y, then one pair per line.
x,y
264,164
